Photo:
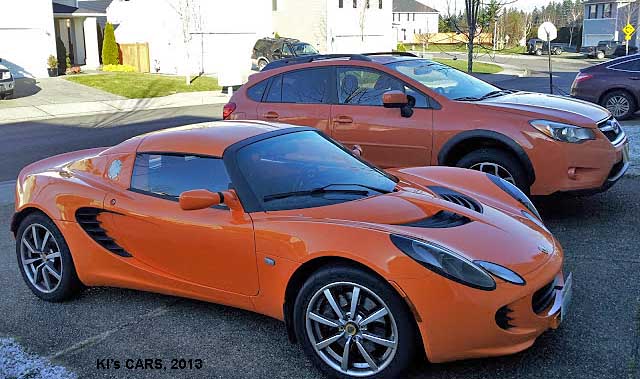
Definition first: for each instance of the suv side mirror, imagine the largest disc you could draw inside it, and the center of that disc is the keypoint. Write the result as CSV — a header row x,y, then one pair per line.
x,y
398,99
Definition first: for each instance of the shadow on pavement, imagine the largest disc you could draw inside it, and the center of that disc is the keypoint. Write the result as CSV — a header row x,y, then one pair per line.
x,y
25,87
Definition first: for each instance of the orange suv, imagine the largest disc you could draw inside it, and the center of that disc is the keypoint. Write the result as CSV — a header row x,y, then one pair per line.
x,y
405,111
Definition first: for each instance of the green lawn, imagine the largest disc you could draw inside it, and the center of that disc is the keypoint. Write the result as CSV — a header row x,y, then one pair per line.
x,y
139,86
462,48
478,68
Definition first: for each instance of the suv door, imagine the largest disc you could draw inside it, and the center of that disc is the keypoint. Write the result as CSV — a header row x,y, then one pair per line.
x,y
387,139
300,97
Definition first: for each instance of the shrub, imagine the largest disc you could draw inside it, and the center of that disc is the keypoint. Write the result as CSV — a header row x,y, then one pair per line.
x,y
118,68
52,62
110,54
401,47
68,62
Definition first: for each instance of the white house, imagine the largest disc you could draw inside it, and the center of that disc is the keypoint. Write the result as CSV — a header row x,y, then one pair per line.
x,y
411,18
336,26
30,35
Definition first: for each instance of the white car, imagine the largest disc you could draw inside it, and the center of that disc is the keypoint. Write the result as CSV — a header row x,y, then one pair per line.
x,y
7,83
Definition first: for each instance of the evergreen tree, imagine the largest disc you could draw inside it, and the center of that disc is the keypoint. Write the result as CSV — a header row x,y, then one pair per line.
x,y
109,47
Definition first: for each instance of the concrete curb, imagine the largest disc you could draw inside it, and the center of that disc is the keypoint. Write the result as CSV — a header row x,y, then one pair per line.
x,y
51,111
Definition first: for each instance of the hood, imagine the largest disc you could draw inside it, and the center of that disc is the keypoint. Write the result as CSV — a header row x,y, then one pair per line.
x,y
475,230
549,107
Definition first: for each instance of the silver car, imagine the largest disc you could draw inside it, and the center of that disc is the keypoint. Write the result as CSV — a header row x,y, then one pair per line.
x,y
7,83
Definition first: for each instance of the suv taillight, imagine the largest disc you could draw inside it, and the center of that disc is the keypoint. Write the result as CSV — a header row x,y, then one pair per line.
x,y
582,77
228,110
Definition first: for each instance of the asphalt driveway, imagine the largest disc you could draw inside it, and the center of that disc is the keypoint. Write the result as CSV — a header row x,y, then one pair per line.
x,y
601,236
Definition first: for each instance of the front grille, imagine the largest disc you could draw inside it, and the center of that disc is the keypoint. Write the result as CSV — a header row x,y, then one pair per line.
x,y
503,320
457,198
544,297
440,220
612,130
88,219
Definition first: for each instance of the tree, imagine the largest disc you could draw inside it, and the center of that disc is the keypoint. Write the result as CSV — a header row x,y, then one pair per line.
x,y
574,19
189,13
110,53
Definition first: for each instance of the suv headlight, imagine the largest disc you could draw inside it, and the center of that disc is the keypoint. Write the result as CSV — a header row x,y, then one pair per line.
x,y
445,262
4,75
563,132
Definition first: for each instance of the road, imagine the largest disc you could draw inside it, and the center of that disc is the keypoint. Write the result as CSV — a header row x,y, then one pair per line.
x,y
26,142
600,234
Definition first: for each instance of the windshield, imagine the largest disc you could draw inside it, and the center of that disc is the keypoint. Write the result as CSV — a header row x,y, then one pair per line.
x,y
304,49
304,170
447,81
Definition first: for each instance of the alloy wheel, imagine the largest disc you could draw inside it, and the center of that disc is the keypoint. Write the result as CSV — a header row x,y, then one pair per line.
x,y
40,258
618,105
351,329
494,169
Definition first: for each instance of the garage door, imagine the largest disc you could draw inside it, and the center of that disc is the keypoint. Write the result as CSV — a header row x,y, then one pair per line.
x,y
25,51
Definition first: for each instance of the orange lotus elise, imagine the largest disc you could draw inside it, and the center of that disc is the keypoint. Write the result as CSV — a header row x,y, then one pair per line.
x,y
365,267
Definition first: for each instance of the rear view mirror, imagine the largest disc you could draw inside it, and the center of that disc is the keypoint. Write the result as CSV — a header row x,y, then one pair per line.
x,y
199,199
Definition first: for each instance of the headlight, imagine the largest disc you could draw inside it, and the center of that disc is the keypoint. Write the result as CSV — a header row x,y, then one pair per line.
x,y
514,192
445,262
501,272
4,75
563,132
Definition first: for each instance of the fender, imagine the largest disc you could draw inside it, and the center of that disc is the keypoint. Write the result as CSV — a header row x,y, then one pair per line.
x,y
488,135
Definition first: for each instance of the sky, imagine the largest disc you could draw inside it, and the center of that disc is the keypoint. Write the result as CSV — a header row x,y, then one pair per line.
x,y
441,5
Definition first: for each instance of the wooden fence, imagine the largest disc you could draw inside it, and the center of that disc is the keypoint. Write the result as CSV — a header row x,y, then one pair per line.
x,y
136,55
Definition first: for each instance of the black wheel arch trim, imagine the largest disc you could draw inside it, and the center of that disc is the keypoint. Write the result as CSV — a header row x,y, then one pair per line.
x,y
489,135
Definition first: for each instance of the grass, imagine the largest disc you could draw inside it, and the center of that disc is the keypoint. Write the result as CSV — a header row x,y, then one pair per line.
x,y
135,85
478,68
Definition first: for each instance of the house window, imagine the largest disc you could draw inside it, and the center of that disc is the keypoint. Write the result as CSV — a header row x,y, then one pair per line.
x,y
379,4
606,12
592,11
340,3
355,3
274,5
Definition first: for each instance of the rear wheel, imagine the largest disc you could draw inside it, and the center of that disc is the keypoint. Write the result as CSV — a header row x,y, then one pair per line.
x,y
496,162
600,55
45,260
538,52
621,104
354,325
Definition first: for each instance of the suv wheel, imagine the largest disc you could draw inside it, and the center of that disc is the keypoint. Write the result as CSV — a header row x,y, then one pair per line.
x,y
538,52
45,260
620,103
600,54
354,325
496,162
262,63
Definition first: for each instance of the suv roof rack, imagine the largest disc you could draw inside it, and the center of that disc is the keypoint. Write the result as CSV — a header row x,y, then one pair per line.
x,y
313,58
399,53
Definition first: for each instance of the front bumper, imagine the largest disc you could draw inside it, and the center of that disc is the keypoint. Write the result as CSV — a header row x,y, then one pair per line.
x,y
458,322
7,87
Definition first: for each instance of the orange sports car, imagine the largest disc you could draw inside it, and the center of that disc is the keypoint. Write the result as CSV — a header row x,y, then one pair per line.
x,y
365,267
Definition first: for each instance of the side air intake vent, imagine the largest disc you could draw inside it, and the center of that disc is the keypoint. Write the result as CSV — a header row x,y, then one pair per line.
x,y
457,198
503,318
88,220
442,219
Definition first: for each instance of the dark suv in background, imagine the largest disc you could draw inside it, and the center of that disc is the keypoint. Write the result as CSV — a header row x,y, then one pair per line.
x,y
610,49
7,82
271,49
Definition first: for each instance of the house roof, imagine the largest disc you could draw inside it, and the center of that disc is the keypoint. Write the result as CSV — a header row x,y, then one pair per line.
x,y
95,5
411,6
61,9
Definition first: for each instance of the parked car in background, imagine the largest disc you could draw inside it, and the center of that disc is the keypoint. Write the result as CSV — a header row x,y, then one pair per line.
x,y
404,111
538,47
613,84
7,82
270,49
610,49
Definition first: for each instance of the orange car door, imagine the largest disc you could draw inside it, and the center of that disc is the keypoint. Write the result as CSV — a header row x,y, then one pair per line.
x,y
299,97
386,138
206,246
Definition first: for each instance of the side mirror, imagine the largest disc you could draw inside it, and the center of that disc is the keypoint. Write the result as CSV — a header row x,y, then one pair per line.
x,y
398,99
199,199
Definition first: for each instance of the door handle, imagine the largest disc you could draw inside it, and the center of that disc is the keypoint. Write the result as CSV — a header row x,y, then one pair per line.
x,y
343,120
271,115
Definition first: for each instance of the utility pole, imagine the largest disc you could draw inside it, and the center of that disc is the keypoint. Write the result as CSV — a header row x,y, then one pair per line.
x,y
628,22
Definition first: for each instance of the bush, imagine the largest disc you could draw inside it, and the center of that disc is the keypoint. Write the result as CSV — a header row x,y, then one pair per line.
x,y
110,54
401,47
118,68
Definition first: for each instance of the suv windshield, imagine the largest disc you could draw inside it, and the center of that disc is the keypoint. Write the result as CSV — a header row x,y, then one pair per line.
x,y
304,49
447,81
304,170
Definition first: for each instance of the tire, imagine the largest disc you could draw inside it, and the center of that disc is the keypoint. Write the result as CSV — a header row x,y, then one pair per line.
x,y
483,159
51,289
397,326
600,55
557,51
262,64
620,103
538,52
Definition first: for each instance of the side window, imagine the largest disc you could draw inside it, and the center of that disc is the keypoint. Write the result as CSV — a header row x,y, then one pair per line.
x,y
286,50
359,86
168,175
256,91
309,86
633,65
275,91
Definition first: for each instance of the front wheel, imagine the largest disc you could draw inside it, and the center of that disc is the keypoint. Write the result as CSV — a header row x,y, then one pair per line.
x,y
262,64
539,52
499,163
600,55
354,325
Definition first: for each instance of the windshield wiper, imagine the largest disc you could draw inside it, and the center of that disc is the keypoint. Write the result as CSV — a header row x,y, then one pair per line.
x,y
497,93
467,98
323,190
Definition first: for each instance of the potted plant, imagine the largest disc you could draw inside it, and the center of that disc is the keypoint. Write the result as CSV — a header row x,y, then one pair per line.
x,y
52,64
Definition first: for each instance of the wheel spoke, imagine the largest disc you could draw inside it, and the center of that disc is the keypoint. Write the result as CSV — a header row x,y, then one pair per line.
x,y
374,316
53,255
45,276
37,273
378,340
24,241
34,234
366,356
45,240
332,302
323,344
345,355
322,320
53,272
30,261
354,302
